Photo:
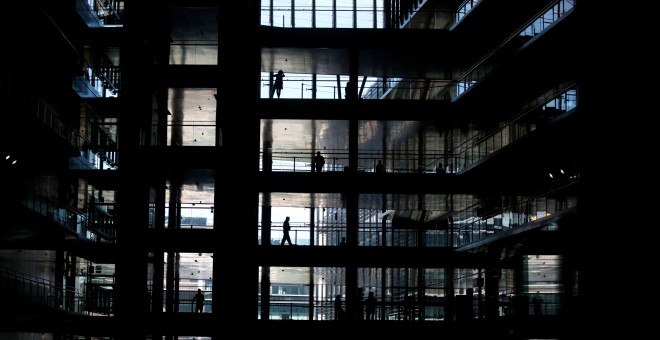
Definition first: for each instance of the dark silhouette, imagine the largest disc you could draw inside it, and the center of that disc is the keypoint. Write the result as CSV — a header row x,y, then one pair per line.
x,y
538,303
319,161
440,169
198,299
279,83
339,311
408,308
380,168
343,242
351,90
371,306
286,227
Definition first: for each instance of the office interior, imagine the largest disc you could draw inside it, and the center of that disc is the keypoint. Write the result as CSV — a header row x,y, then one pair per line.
x,y
149,156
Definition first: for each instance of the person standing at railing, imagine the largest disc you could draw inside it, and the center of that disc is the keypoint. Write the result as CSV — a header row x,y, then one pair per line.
x,y
351,90
279,83
198,300
319,161
339,310
538,303
286,227
370,304
408,308
380,168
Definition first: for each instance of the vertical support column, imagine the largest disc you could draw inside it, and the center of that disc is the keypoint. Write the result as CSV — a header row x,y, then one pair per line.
x,y
520,299
383,283
314,17
157,285
352,220
139,54
174,223
353,298
60,277
334,14
266,220
312,218
492,293
384,146
450,304
421,296
421,151
267,147
314,85
237,205
310,295
353,122
480,293
387,14
266,223
383,221
70,282
169,286
265,292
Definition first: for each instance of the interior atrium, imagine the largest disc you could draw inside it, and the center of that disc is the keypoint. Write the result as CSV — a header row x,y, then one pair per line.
x,y
154,152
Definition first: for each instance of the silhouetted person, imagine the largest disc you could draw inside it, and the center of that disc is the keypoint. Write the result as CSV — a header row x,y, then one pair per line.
x,y
351,90
440,169
198,300
408,308
319,161
279,83
339,311
380,168
370,304
343,242
538,303
286,227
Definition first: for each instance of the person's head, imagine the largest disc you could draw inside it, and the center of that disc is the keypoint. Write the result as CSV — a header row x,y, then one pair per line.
x,y
199,290
318,153
280,72
287,218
